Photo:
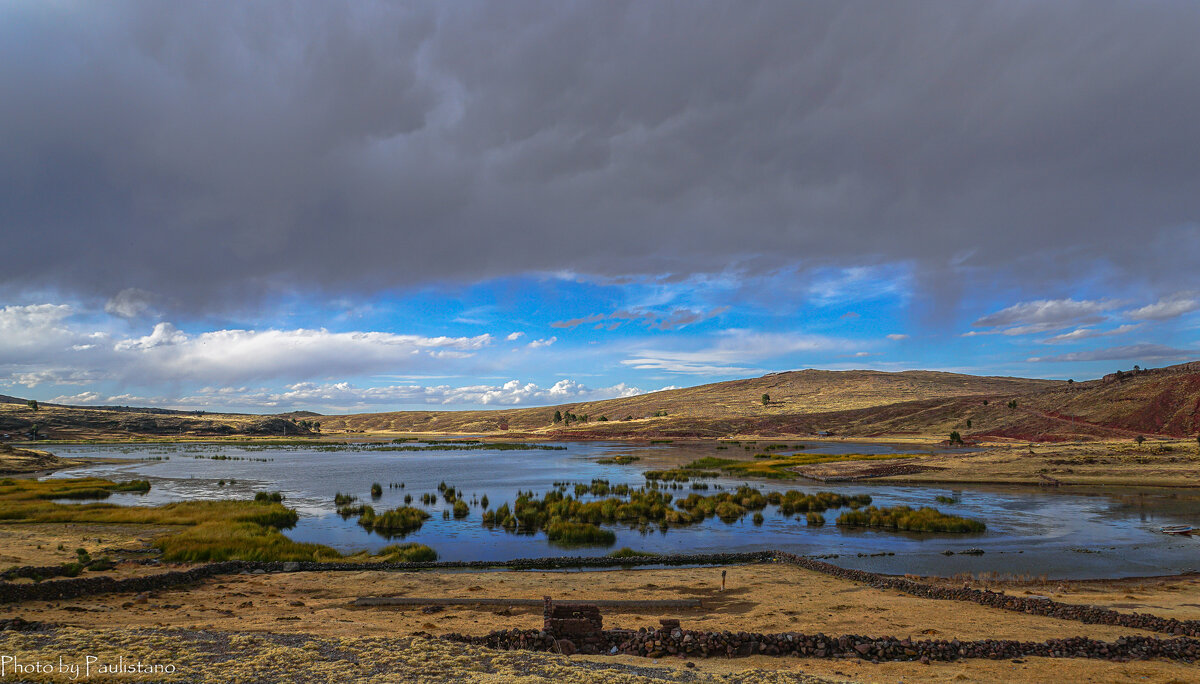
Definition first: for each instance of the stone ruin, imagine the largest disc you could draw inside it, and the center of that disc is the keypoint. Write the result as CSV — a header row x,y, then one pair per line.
x,y
575,626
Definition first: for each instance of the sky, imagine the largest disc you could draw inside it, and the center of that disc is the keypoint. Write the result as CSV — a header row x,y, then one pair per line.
x,y
377,206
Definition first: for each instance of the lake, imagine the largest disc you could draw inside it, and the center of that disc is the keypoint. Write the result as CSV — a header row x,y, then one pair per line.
x,y
1074,533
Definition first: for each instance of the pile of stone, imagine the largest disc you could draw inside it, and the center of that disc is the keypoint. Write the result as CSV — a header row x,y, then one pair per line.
x,y
18,625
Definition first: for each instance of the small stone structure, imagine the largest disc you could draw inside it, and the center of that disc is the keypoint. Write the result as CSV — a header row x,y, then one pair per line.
x,y
575,626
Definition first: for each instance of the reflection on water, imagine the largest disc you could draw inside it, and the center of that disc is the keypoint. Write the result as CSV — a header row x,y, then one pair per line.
x,y
1084,533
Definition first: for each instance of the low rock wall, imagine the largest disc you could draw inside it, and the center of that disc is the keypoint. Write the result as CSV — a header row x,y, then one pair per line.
x,y
686,643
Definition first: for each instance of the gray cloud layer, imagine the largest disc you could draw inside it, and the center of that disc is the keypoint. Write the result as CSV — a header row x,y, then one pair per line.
x,y
203,152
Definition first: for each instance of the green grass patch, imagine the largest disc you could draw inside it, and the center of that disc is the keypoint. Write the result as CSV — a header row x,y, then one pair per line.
x,y
777,467
206,530
623,459
218,541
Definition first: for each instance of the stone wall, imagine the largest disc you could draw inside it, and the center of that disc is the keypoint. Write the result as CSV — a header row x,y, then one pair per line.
x,y
658,643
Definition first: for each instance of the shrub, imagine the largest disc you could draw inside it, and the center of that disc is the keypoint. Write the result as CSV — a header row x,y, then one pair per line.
x,y
268,497
814,518
461,509
341,499
376,490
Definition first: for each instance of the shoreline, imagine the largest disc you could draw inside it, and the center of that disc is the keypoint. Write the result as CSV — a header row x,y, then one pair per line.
x,y
1161,464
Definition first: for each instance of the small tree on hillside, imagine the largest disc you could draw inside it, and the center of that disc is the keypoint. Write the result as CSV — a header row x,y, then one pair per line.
x,y
766,399
1139,439
558,416
955,438
1012,404
32,403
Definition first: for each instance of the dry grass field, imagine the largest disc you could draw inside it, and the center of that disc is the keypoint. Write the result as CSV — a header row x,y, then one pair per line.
x,y
307,622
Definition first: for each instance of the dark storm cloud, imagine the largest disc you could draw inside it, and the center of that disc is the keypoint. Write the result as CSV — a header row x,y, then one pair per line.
x,y
203,152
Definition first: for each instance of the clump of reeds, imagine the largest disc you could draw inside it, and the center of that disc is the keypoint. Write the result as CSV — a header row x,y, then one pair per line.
x,y
626,552
564,532
397,521
410,552
905,518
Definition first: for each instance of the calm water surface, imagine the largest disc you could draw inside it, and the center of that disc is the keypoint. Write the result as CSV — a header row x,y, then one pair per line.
x,y
1108,532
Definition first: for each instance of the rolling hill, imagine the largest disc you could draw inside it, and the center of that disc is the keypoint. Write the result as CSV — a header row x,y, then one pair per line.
x,y
923,404
707,410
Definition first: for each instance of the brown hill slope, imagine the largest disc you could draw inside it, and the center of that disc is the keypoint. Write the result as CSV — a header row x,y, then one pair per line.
x,y
77,422
1163,402
718,408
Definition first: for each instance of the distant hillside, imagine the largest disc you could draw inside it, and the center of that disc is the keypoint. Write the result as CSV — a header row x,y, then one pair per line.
x,y
78,422
1163,402
718,408
924,404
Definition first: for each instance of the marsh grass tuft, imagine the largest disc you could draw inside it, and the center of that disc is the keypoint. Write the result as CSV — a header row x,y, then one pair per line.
x,y
627,552
410,552
563,532
905,518
396,521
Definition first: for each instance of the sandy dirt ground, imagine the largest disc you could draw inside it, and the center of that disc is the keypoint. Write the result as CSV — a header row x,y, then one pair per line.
x,y
1172,596
32,462
56,543
1166,464
765,598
